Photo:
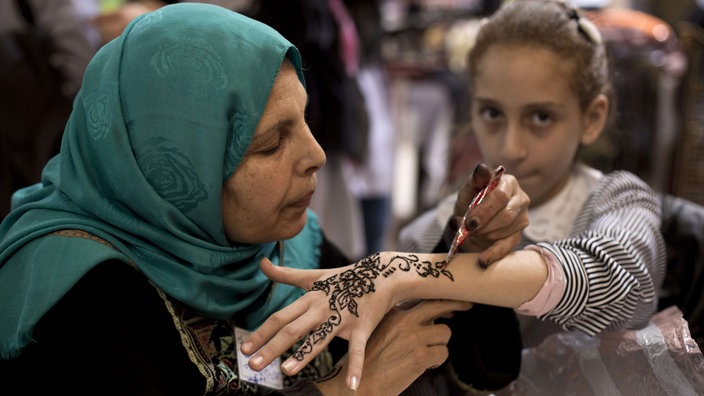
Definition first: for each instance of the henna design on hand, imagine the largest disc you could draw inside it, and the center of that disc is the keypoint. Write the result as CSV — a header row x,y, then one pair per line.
x,y
343,289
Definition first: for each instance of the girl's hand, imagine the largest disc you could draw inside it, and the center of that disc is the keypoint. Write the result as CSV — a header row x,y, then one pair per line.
x,y
336,305
496,224
405,344
347,302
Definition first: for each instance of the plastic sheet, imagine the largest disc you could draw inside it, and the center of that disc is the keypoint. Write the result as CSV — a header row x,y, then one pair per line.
x,y
661,359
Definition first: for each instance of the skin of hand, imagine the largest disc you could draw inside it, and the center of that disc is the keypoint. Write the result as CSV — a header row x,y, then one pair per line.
x,y
406,343
356,298
496,224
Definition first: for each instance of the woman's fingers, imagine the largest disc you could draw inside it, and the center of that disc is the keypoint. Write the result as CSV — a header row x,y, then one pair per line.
x,y
403,346
419,342
429,310
355,361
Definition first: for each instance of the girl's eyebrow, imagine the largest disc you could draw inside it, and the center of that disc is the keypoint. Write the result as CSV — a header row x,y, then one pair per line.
x,y
485,101
529,105
545,104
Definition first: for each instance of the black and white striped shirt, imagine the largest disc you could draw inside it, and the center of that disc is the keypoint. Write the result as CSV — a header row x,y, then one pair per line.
x,y
614,258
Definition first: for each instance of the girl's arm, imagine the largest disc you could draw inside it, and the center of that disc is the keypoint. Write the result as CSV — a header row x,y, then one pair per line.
x,y
355,298
614,262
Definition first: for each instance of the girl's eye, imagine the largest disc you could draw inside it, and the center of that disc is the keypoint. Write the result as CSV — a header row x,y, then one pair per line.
x,y
541,118
490,113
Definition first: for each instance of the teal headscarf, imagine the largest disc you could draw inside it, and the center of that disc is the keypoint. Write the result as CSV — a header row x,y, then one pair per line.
x,y
164,116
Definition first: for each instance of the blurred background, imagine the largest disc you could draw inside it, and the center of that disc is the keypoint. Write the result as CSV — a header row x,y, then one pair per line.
x,y
388,96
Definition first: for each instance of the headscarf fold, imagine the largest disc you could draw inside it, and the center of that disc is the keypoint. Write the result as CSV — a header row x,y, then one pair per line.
x,y
165,114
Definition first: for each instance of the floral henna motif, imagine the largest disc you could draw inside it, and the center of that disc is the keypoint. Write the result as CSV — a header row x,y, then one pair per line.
x,y
343,289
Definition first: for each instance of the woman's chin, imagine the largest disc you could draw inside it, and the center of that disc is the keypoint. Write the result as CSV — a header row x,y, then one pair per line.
x,y
292,228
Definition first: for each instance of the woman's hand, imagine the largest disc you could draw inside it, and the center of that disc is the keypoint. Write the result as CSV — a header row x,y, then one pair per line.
x,y
347,302
495,226
405,344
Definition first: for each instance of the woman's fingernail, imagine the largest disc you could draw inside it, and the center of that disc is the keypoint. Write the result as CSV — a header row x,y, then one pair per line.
x,y
246,348
472,225
353,383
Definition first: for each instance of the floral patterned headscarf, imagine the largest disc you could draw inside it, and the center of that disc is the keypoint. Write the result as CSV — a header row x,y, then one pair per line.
x,y
164,116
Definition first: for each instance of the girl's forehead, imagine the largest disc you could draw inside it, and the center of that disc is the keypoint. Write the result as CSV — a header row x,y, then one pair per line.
x,y
527,61
523,76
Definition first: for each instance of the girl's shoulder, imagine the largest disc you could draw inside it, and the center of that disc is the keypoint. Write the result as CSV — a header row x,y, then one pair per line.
x,y
617,177
622,190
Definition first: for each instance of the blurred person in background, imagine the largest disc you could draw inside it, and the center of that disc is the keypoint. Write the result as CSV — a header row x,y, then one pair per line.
x,y
43,55
371,181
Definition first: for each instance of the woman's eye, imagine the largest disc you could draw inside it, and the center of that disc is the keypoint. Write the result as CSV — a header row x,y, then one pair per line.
x,y
276,143
270,151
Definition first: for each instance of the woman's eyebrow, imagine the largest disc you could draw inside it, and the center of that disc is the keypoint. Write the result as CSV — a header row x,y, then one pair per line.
x,y
278,125
271,130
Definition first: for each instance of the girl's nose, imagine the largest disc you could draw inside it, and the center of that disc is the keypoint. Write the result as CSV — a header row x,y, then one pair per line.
x,y
514,147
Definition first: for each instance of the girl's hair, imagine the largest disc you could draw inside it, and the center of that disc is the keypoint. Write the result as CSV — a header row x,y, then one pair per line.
x,y
556,26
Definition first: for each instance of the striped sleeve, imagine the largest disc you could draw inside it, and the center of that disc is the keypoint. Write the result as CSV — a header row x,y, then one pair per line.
x,y
615,259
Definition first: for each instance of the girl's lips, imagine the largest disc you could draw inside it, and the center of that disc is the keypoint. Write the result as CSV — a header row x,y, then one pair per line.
x,y
525,176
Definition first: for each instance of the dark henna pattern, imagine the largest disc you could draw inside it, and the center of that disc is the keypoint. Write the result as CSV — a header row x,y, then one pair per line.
x,y
343,289
388,272
422,268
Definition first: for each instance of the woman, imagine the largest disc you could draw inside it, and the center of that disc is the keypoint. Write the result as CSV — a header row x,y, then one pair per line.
x,y
133,267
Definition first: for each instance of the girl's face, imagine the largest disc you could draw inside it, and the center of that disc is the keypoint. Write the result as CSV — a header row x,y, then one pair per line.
x,y
527,117
267,196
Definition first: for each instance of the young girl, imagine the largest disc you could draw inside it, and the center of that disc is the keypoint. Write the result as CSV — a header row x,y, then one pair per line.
x,y
540,90
592,256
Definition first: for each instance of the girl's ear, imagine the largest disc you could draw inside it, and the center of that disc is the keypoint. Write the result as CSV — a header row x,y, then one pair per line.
x,y
594,120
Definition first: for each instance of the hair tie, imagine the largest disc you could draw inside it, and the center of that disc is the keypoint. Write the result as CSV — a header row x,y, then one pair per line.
x,y
585,26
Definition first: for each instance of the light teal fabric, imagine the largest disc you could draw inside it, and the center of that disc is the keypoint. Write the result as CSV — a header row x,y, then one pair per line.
x,y
165,114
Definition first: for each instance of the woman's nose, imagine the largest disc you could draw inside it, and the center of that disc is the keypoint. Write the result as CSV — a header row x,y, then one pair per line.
x,y
314,157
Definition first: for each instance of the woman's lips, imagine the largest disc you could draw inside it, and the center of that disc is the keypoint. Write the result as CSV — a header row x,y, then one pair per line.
x,y
303,202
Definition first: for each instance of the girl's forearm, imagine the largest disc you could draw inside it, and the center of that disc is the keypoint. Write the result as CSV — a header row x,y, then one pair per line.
x,y
508,282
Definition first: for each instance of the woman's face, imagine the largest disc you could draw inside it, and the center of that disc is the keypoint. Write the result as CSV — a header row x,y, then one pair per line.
x,y
526,117
267,196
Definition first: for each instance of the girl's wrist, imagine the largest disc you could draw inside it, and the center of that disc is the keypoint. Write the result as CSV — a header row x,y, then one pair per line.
x,y
409,275
388,280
